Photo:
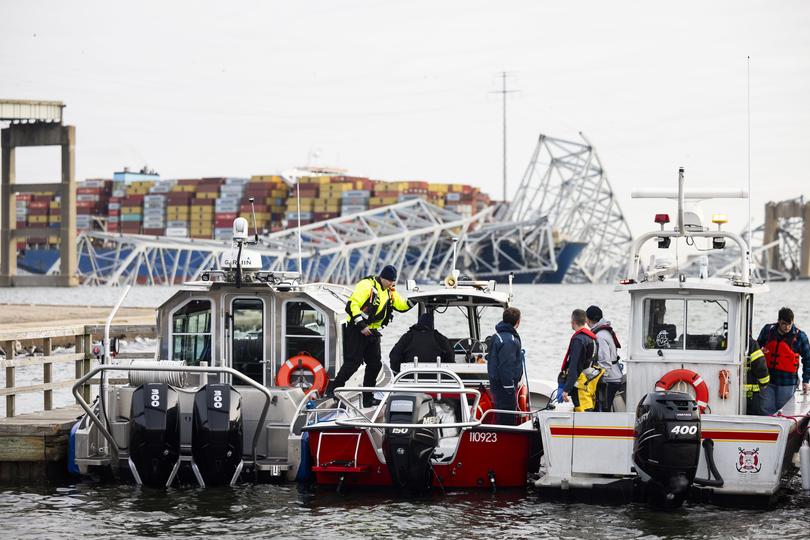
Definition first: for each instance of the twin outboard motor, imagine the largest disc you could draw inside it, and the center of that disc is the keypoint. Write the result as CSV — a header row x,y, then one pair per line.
x,y
154,432
408,450
217,433
666,450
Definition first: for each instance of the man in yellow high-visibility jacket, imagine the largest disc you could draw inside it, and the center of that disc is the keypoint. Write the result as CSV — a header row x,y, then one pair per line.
x,y
370,308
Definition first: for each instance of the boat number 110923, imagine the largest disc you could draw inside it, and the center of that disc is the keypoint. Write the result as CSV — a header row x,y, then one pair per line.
x,y
476,436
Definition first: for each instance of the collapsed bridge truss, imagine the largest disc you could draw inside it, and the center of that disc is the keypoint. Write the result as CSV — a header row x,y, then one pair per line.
x,y
412,235
566,184
564,223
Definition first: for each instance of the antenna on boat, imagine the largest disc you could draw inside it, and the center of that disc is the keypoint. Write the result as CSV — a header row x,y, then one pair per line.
x,y
255,227
748,73
511,291
452,279
298,202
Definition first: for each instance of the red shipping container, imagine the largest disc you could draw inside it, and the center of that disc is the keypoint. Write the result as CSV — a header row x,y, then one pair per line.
x,y
202,202
154,232
39,204
89,191
188,182
24,196
132,200
176,198
45,198
207,188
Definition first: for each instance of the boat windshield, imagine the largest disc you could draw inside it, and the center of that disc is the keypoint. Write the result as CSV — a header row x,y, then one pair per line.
x,y
693,324
455,324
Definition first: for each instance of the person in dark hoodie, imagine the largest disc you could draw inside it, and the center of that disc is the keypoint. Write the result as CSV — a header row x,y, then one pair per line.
x,y
580,352
421,341
505,365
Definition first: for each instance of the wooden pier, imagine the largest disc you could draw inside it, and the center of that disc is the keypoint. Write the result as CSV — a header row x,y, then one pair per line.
x,y
34,446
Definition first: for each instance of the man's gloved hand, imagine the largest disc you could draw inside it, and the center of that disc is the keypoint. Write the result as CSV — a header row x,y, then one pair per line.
x,y
560,393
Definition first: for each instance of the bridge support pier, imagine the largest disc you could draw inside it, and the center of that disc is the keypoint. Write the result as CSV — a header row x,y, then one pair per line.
x,y
38,134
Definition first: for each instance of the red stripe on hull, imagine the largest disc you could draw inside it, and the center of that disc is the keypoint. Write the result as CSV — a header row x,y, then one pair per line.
x,y
740,435
607,432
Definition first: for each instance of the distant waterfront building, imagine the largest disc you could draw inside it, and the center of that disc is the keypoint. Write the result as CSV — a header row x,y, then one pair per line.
x,y
128,176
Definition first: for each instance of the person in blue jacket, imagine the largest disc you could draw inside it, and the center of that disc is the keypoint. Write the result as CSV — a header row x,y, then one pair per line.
x,y
505,365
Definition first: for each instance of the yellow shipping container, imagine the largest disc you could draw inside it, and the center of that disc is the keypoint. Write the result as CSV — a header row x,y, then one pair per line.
x,y
441,188
37,219
131,210
55,219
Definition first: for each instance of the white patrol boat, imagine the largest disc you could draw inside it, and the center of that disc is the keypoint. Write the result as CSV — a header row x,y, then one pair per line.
x,y
238,352
685,430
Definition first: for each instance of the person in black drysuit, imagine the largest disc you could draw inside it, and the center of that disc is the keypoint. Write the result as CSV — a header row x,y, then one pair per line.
x,y
505,365
421,341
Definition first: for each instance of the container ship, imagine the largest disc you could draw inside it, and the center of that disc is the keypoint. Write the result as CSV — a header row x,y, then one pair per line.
x,y
133,204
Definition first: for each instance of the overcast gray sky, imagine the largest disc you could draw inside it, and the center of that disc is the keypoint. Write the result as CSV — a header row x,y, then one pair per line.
x,y
401,90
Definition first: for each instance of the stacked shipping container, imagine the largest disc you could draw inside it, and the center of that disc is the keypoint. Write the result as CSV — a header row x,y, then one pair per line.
x,y
205,208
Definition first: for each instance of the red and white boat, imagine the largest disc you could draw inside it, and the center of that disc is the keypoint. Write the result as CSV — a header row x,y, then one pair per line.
x,y
434,427
685,430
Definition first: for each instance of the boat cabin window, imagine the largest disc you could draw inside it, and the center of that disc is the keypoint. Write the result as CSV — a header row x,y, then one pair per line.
x,y
464,332
191,332
695,324
305,332
247,341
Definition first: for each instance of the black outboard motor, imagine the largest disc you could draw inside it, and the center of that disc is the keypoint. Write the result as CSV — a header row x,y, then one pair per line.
x,y
408,450
154,432
666,450
216,437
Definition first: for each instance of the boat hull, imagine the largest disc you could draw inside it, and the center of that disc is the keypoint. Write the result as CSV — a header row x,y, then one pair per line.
x,y
485,457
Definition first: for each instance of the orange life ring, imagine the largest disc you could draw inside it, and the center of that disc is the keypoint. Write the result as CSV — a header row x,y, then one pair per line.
x,y
684,375
523,398
303,361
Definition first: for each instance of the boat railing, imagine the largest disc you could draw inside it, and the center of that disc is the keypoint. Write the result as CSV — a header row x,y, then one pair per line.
x,y
428,370
183,369
364,421
509,412
681,230
313,415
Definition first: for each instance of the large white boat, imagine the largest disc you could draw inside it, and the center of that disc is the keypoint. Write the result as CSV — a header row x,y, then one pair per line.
x,y
687,333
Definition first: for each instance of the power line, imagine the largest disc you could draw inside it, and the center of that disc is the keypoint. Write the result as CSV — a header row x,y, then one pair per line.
x,y
503,91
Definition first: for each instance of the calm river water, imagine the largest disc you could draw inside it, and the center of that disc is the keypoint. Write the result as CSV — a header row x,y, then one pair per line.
x,y
90,510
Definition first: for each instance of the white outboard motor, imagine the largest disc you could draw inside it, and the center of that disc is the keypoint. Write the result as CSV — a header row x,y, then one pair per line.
x,y
666,450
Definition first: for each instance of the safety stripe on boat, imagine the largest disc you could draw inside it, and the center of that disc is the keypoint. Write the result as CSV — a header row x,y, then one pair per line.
x,y
288,364
317,368
698,382
701,403
738,435
611,432
606,432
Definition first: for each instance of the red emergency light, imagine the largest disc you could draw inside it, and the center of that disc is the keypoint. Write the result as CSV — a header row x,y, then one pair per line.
x,y
662,218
